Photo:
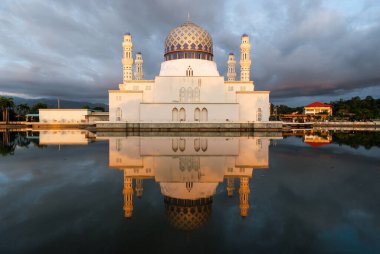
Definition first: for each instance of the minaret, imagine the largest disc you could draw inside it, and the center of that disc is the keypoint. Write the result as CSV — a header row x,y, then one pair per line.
x,y
127,59
231,73
245,58
128,195
139,72
244,193
139,187
230,186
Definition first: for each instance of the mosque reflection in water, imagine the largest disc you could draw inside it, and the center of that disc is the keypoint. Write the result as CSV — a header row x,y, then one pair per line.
x,y
188,170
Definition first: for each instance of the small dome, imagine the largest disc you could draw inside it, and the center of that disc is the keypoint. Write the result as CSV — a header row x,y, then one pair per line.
x,y
188,40
244,35
231,54
188,214
127,33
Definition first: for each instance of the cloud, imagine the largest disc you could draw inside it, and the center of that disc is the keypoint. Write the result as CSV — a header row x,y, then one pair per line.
x,y
72,49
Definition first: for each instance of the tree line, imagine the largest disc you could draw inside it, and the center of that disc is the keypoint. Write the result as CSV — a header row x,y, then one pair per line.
x,y
10,111
354,109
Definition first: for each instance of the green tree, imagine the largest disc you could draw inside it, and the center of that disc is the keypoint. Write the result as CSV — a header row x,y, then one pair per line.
x,y
99,109
23,109
6,104
38,106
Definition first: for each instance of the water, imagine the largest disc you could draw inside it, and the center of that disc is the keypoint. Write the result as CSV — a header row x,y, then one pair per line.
x,y
70,192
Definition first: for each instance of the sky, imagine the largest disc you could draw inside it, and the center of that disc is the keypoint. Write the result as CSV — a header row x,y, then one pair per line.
x,y
302,50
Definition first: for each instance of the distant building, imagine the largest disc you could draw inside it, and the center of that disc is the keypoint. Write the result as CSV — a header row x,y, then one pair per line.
x,y
318,108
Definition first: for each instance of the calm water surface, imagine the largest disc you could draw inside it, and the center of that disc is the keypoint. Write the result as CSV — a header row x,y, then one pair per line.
x,y
75,192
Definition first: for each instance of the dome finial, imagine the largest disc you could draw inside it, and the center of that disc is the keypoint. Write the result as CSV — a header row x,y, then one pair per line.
x,y
188,16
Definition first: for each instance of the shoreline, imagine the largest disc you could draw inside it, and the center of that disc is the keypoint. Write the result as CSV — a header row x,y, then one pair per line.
x,y
274,126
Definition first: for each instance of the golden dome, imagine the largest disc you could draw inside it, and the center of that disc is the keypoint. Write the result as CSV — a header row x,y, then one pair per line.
x,y
188,214
188,40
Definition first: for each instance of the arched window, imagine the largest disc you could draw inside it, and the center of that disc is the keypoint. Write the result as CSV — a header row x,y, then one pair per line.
x,y
182,94
175,145
204,115
197,145
204,144
259,115
189,72
196,94
118,114
175,115
197,114
182,114
189,94
182,144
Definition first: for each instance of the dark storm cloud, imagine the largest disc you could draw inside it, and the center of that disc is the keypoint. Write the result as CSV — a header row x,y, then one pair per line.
x,y
72,49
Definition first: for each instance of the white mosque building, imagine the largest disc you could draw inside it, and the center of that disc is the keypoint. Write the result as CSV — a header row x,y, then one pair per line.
x,y
189,87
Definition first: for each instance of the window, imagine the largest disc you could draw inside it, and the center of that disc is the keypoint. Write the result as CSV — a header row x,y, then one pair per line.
x,y
189,94
148,88
196,94
230,88
242,88
118,145
204,115
175,114
175,145
118,98
197,114
118,114
259,115
204,145
135,88
189,72
182,144
197,145
182,114
182,94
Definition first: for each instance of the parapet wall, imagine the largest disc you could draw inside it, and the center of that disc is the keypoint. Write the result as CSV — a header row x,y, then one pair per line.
x,y
190,127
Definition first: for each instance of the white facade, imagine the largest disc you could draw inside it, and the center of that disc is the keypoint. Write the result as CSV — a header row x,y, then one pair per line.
x,y
189,87
63,116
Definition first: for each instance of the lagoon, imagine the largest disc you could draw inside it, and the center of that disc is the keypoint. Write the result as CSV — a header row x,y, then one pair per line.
x,y
77,192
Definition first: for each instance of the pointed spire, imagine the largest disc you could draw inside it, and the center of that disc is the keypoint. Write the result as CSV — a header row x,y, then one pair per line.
x,y
188,17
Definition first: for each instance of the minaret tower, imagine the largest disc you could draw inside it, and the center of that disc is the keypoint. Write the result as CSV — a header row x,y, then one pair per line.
x,y
127,59
245,58
244,193
128,195
139,72
230,186
231,73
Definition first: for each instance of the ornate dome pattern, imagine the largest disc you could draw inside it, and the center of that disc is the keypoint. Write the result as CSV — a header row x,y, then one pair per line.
x,y
189,37
188,214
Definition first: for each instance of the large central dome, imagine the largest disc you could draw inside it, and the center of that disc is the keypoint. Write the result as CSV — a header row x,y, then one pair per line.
x,y
188,40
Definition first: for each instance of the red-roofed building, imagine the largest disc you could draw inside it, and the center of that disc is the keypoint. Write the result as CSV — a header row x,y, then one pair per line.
x,y
318,108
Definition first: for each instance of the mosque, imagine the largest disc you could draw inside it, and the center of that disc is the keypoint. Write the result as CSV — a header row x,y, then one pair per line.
x,y
188,171
189,87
